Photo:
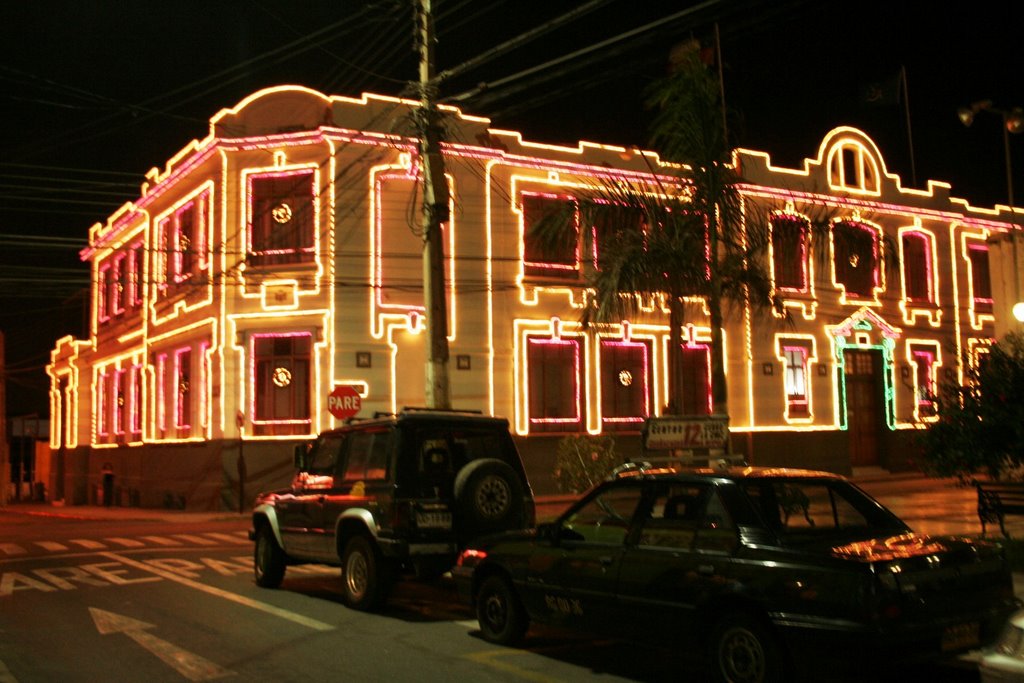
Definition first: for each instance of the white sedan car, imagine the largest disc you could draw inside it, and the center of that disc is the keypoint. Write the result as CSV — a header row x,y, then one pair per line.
x,y
1004,661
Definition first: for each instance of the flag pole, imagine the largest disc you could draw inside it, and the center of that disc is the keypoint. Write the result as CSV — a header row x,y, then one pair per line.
x,y
910,133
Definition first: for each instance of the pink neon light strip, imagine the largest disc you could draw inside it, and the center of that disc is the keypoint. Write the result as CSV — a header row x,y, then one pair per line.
x,y
252,379
576,382
182,398
644,379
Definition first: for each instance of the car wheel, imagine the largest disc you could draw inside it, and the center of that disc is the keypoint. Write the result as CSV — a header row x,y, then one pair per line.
x,y
268,559
500,613
364,574
743,650
490,495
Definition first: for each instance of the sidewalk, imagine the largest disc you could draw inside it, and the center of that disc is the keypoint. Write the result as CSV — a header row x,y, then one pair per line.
x,y
930,506
122,514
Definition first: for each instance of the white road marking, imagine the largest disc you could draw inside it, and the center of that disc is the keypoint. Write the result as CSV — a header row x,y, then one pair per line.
x,y
161,540
300,619
227,538
198,540
88,544
11,549
125,542
51,545
191,666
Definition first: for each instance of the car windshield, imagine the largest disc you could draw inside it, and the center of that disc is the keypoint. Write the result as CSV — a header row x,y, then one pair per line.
x,y
804,511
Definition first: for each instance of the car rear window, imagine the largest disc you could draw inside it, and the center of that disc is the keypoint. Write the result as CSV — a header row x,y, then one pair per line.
x,y
799,509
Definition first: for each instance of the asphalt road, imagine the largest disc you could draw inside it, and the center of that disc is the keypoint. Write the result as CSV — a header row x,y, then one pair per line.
x,y
172,599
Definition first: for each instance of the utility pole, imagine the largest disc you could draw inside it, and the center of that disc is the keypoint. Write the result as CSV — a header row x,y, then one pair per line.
x,y
5,472
435,212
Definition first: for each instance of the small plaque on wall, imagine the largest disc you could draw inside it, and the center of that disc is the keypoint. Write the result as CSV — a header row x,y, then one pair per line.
x,y
462,362
364,359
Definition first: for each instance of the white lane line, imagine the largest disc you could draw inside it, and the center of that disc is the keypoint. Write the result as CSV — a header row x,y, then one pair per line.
x,y
226,538
12,549
88,544
198,540
161,540
125,542
300,619
51,545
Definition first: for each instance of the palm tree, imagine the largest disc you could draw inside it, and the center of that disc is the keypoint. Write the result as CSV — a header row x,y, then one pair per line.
x,y
683,242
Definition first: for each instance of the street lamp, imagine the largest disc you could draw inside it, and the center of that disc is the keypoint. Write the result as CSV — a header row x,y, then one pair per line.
x,y
1018,311
1013,122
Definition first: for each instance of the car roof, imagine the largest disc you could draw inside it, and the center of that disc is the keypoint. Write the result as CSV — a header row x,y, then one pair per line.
x,y
414,415
748,473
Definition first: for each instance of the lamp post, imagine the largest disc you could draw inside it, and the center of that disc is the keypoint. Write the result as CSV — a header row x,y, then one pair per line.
x,y
1013,122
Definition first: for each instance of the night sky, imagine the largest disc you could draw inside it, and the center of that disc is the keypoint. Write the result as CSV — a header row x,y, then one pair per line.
x,y
96,93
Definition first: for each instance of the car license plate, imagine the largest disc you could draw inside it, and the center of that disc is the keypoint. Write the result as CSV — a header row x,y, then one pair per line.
x,y
961,636
434,520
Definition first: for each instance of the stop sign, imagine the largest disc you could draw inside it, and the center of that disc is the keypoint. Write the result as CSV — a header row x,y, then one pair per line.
x,y
344,402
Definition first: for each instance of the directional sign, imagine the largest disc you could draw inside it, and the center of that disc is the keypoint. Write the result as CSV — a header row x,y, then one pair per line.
x,y
344,402
193,667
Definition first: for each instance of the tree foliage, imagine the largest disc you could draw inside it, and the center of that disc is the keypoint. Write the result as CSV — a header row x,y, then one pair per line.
x,y
584,460
980,429
686,241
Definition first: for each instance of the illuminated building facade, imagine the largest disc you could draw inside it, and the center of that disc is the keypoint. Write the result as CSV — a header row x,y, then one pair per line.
x,y
280,257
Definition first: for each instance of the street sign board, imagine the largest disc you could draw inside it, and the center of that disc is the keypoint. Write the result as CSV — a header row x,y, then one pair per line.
x,y
344,401
687,432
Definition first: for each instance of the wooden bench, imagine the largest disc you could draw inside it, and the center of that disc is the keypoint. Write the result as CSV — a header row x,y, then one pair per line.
x,y
996,499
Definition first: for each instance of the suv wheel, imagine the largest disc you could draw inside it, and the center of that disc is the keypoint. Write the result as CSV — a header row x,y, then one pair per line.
x,y
490,495
268,559
364,575
743,650
500,614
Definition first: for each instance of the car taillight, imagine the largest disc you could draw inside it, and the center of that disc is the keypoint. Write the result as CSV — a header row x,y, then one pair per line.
x,y
470,557
886,595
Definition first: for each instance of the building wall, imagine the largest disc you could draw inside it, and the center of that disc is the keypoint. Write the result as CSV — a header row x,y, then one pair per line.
x,y
349,290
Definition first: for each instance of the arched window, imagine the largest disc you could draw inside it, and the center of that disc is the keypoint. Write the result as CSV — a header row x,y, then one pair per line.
x,y
853,169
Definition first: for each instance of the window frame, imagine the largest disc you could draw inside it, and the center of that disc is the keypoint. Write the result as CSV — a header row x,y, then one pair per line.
x,y
559,423
780,257
299,247
561,266
299,418
845,250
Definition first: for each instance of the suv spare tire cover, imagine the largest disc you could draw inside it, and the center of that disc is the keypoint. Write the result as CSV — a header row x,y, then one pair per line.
x,y
489,495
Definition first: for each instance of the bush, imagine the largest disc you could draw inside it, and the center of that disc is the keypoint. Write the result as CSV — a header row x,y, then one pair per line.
x,y
583,461
981,424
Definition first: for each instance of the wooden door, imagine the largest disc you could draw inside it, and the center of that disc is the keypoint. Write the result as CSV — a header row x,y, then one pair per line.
x,y
863,406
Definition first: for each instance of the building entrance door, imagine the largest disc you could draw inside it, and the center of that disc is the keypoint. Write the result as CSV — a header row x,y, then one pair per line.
x,y
863,405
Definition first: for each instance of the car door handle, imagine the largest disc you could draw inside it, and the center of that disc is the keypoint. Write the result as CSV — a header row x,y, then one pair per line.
x,y
705,569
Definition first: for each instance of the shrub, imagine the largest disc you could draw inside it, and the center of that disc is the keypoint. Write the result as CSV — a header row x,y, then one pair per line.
x,y
981,424
583,460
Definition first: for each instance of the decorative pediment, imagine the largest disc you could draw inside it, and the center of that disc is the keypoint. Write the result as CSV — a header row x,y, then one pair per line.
x,y
865,322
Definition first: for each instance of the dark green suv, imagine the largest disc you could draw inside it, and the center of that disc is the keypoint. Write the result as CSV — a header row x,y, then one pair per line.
x,y
761,569
392,494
